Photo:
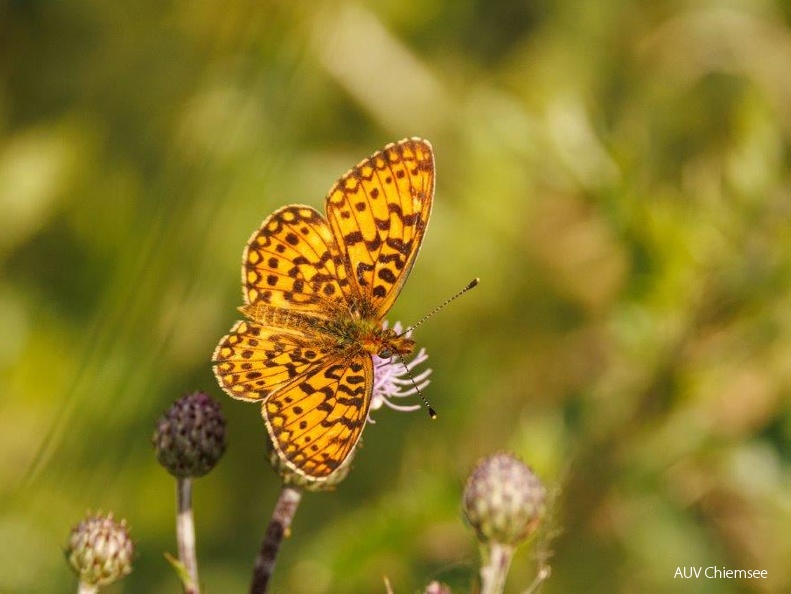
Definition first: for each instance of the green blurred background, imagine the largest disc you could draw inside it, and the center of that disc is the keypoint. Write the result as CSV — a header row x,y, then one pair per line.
x,y
617,173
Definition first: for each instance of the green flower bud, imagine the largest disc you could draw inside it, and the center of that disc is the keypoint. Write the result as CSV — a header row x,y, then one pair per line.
x,y
190,436
100,550
503,500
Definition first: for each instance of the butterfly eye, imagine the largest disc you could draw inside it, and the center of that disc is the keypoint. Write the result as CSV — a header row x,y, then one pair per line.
x,y
385,354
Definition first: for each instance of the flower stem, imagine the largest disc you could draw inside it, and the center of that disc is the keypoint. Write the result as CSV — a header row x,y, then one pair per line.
x,y
494,573
279,526
185,535
84,588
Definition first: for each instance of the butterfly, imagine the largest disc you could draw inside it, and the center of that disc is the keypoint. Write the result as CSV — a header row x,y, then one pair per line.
x,y
316,291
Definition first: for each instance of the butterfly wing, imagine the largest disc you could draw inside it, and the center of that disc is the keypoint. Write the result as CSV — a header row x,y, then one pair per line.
x,y
252,361
293,263
316,420
378,213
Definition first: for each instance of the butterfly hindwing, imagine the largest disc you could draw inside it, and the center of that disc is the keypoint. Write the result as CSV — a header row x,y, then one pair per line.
x,y
316,421
253,361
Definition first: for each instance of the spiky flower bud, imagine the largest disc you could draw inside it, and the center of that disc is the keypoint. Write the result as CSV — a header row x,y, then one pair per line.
x,y
100,550
289,476
190,436
503,500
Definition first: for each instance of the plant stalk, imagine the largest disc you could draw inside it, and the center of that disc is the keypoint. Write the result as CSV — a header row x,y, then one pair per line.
x,y
494,571
279,526
185,535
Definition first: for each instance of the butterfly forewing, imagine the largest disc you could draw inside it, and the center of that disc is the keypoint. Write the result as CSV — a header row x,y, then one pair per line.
x,y
378,212
292,262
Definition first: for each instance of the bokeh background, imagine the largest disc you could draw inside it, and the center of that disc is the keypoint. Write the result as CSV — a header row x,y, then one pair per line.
x,y
617,173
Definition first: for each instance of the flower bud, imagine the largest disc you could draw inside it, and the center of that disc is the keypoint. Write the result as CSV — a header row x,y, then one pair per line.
x,y
190,436
100,550
503,500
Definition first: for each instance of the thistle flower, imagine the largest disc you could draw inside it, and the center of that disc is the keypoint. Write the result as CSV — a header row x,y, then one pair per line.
x,y
503,500
190,436
391,379
100,550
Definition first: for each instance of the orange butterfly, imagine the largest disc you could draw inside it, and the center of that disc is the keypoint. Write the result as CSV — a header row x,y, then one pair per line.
x,y
316,292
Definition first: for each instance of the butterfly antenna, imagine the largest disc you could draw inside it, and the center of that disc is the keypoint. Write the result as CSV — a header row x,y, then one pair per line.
x,y
431,412
473,283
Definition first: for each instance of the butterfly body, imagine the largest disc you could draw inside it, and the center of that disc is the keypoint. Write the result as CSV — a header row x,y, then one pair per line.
x,y
354,335
316,291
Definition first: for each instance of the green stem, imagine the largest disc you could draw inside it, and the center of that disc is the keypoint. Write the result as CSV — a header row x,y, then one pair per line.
x,y
497,561
279,526
185,535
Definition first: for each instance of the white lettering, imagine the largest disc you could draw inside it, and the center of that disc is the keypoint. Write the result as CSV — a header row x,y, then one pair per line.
x,y
712,572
